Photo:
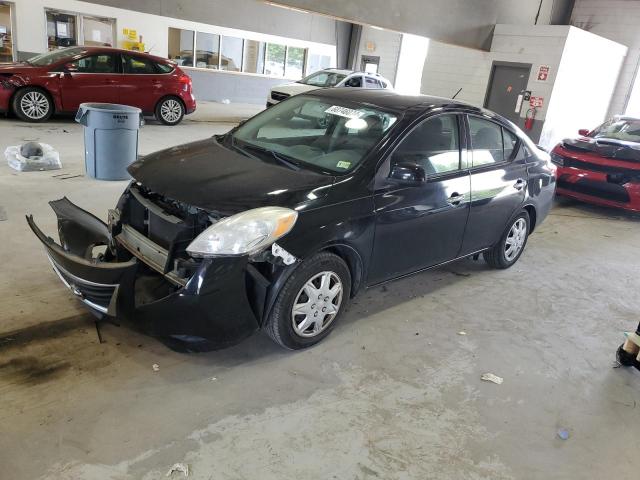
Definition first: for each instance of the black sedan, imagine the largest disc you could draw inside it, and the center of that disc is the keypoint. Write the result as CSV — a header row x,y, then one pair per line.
x,y
281,221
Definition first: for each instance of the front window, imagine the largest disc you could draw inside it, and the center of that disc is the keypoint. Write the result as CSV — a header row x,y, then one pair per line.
x,y
627,130
319,134
323,79
101,63
50,58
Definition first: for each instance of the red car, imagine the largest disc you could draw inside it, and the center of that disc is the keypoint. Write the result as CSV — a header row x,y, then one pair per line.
x,y
59,81
602,166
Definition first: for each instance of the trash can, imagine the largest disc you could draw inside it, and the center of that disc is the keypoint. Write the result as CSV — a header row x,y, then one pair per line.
x,y
110,138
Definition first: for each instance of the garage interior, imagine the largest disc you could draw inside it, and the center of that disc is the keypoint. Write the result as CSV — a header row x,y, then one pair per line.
x,y
395,391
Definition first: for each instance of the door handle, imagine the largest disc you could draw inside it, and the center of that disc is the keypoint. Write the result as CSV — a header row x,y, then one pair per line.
x,y
455,199
520,184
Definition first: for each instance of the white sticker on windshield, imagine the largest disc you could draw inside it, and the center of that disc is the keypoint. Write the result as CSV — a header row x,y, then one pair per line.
x,y
343,164
343,112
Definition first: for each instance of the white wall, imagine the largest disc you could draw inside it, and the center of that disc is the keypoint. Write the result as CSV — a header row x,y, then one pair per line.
x,y
582,90
448,68
617,20
386,45
413,53
31,27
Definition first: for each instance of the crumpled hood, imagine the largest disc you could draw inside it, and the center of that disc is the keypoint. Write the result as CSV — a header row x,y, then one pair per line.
x,y
605,147
209,176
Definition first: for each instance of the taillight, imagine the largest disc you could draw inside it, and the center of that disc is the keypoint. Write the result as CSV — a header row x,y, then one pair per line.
x,y
185,80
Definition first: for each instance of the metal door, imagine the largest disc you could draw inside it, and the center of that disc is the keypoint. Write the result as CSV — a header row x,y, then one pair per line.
x,y
507,82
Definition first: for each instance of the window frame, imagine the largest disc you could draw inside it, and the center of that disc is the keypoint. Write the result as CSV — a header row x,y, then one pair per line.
x,y
470,148
381,178
79,25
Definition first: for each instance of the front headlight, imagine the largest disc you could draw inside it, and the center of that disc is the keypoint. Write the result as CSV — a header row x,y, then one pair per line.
x,y
244,233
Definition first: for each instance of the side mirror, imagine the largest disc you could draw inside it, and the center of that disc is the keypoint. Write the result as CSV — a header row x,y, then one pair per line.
x,y
584,132
70,68
408,172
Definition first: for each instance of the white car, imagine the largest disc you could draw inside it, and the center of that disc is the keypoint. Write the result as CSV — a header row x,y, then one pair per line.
x,y
330,77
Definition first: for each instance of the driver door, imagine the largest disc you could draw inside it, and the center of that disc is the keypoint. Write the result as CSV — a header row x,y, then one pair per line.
x,y
420,224
93,78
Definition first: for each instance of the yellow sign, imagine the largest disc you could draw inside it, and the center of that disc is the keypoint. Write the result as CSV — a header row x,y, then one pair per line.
x,y
130,34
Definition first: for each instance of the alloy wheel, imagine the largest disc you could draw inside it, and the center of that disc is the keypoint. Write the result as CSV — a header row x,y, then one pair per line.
x,y
171,110
35,105
317,304
515,239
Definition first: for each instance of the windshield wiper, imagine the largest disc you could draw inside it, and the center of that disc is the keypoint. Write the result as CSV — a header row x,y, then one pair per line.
x,y
278,156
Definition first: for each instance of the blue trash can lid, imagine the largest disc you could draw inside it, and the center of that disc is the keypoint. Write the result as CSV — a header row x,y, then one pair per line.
x,y
109,108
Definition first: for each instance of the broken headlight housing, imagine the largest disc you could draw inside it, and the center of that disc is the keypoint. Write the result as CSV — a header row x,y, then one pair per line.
x,y
244,233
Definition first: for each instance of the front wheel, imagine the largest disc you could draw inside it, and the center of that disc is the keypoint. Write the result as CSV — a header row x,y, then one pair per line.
x,y
310,302
32,105
170,111
511,245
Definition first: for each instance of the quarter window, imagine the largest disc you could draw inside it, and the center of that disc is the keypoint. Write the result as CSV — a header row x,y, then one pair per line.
x,y
137,65
434,145
96,64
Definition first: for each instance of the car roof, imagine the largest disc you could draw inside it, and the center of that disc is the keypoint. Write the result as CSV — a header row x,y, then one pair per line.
x,y
93,49
338,70
389,99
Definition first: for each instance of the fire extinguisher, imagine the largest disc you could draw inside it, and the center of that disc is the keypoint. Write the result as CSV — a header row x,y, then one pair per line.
x,y
530,117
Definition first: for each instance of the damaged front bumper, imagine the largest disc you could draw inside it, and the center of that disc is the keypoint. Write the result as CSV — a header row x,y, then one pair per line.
x,y
119,272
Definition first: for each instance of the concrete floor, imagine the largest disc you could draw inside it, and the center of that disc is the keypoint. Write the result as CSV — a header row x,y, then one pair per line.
x,y
393,393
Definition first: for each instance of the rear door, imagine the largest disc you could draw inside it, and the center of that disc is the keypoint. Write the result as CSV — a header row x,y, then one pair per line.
x,y
421,225
95,79
142,83
498,182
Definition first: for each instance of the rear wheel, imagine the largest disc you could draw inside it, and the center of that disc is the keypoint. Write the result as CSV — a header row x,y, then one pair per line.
x,y
511,245
310,302
32,105
170,111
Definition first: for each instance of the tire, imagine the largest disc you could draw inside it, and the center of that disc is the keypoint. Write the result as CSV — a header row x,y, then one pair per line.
x,y
170,111
516,233
32,104
297,291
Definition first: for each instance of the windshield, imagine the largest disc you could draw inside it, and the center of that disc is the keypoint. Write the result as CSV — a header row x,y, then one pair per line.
x,y
617,129
50,58
323,79
316,133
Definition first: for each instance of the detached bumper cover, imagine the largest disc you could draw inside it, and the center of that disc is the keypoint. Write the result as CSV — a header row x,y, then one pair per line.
x,y
211,304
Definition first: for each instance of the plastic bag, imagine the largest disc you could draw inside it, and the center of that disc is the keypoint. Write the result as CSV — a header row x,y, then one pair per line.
x,y
50,159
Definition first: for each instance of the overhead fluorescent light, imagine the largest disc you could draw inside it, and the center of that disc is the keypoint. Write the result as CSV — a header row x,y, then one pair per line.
x,y
286,7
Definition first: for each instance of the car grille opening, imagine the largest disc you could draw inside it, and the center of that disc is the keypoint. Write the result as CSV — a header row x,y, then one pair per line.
x,y
595,167
604,190
279,96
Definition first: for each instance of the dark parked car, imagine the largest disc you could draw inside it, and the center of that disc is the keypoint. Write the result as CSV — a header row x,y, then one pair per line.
x,y
602,166
278,223
59,81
